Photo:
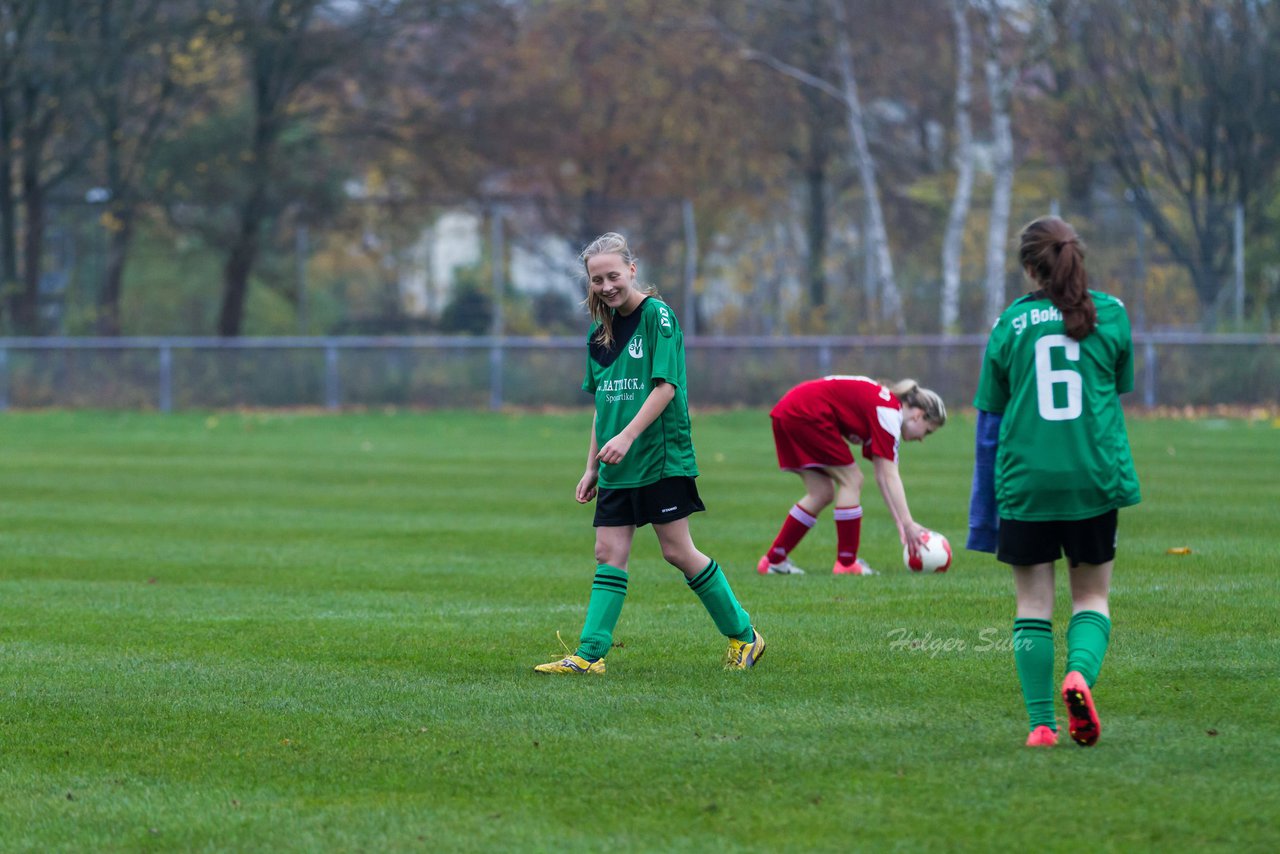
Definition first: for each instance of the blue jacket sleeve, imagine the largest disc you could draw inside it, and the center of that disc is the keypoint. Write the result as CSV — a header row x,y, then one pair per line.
x,y
984,518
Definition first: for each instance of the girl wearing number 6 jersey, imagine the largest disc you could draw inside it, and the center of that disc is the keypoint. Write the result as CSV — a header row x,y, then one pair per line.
x,y
1053,467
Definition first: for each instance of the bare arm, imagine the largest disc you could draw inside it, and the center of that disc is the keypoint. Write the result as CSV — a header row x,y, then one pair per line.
x,y
895,496
616,448
587,485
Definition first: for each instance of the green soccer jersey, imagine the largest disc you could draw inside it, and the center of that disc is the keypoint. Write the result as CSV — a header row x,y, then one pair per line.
x,y
647,346
1063,452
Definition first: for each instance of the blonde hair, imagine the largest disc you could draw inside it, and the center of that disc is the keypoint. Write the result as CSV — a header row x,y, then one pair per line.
x,y
910,393
609,243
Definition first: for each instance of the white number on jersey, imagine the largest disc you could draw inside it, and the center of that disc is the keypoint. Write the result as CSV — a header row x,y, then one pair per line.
x,y
1047,378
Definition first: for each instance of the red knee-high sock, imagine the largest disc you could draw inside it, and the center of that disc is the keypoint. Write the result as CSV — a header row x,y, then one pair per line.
x,y
848,532
798,523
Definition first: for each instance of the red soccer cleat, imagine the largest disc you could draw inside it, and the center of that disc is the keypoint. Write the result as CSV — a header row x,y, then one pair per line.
x,y
1042,736
1082,717
784,568
858,567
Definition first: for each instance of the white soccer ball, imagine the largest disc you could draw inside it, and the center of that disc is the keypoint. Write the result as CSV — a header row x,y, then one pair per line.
x,y
934,554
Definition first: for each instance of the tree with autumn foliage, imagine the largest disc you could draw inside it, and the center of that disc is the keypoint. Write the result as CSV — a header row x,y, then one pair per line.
x,y
611,114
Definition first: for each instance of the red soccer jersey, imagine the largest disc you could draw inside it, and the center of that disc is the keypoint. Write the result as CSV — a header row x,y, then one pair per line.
x,y
860,409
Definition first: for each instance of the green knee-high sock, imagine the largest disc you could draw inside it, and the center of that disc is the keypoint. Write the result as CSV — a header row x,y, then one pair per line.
x,y
1087,636
714,591
608,590
1033,656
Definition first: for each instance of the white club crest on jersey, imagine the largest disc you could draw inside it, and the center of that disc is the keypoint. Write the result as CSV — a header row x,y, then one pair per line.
x,y
636,348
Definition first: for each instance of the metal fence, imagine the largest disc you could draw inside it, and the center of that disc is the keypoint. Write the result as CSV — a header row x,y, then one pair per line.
x,y
166,374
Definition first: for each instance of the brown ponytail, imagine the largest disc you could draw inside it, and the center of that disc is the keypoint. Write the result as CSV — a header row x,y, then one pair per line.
x,y
1053,255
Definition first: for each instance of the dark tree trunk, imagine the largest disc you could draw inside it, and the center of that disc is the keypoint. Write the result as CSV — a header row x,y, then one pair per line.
x,y
26,315
113,275
8,220
240,261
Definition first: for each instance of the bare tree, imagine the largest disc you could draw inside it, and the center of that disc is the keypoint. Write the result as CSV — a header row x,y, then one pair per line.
x,y
815,157
127,60
275,39
883,283
959,211
999,89
287,46
39,138
15,22
1187,95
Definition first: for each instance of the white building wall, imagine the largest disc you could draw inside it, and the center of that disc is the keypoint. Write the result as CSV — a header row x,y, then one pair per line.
x,y
457,239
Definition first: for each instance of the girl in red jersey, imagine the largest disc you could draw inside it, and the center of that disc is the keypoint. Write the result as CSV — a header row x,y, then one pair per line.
x,y
812,425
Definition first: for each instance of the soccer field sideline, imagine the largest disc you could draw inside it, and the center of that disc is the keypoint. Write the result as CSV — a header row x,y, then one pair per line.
x,y
272,631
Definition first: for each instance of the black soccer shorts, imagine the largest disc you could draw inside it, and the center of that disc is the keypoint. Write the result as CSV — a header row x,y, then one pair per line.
x,y
667,500
1083,540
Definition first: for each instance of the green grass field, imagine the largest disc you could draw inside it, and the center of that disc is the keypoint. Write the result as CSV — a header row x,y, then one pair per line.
x,y
253,632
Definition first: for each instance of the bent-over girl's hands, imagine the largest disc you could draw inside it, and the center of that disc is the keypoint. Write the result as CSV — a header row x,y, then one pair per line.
x,y
912,533
587,486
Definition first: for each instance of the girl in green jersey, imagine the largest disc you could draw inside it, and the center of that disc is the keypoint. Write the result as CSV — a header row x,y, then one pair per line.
x,y
1053,467
640,461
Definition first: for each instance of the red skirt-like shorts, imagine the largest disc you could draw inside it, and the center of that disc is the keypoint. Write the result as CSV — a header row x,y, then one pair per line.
x,y
804,443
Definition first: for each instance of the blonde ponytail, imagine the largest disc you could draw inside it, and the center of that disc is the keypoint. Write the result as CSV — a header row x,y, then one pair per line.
x,y
910,393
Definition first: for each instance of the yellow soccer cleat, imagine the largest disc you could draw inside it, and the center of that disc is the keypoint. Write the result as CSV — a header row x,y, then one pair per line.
x,y
744,654
572,664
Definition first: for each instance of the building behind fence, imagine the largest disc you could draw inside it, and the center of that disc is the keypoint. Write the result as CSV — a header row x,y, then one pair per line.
x,y
166,374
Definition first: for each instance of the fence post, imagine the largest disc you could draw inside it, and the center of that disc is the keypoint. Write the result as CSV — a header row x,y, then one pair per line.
x,y
1149,374
332,391
497,249
689,316
166,378
1239,264
1140,272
